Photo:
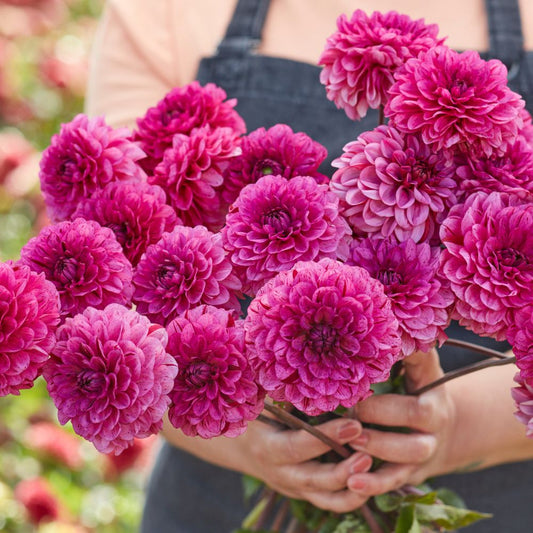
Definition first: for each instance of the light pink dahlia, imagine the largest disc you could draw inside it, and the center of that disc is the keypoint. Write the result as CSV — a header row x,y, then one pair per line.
x,y
181,111
456,101
392,184
191,173
215,392
319,335
523,397
136,212
275,222
185,268
420,296
83,157
110,375
488,258
361,57
278,151
29,315
85,263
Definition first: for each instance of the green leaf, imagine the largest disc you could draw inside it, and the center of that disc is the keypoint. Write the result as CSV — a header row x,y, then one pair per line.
x,y
352,524
449,497
407,521
251,486
447,516
388,502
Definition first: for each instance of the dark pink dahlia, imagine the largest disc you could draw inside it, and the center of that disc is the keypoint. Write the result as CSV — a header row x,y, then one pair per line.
x,y
527,129
136,212
110,375
29,315
215,392
275,222
85,263
277,150
361,57
320,334
83,157
488,258
520,336
185,268
456,101
393,184
181,111
420,296
191,173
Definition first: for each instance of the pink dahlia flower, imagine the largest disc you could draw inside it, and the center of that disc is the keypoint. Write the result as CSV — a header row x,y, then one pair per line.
x,y
83,157
136,212
420,296
527,128
181,111
361,57
215,392
85,263
489,260
29,315
186,268
456,100
277,150
523,397
320,334
520,336
110,374
275,222
392,184
37,497
191,173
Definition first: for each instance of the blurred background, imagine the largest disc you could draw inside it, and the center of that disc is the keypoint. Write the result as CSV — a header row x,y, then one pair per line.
x,y
50,480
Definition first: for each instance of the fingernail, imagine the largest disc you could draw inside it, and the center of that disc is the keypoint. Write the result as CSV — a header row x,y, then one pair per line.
x,y
356,483
349,430
361,440
360,464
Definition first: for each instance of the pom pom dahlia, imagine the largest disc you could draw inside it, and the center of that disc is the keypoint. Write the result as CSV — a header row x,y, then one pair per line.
x,y
110,374
83,157
489,260
85,263
275,222
29,315
393,184
215,392
185,268
320,334
361,57
456,101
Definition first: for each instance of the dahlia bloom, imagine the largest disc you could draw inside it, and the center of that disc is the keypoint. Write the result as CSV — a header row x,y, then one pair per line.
x,y
215,392
392,184
277,150
523,397
420,296
83,157
41,504
489,260
456,101
361,57
181,111
29,315
275,222
319,335
85,263
110,374
136,212
191,172
185,268
527,129
520,336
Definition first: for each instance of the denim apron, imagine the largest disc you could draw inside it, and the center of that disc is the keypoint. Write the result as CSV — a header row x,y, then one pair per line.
x,y
187,495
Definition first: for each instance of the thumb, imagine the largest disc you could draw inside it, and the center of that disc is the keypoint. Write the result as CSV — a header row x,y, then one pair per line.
x,y
421,368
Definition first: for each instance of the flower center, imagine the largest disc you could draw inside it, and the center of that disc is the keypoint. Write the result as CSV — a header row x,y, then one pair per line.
x,y
278,219
510,258
389,277
121,232
68,169
322,338
65,270
198,373
164,275
90,381
265,167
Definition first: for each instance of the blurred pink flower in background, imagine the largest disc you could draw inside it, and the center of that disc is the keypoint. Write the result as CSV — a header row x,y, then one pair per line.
x,y
37,497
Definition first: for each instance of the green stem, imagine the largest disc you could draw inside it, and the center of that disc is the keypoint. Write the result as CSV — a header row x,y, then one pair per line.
x,y
488,352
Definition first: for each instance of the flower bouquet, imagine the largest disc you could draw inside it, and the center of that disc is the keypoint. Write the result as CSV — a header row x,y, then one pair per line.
x,y
196,270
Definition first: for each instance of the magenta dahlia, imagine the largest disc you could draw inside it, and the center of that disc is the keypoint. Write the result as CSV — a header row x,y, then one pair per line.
x,y
29,315
136,212
456,101
393,184
527,129
185,268
520,336
215,392
361,57
275,222
420,296
523,397
277,150
191,173
85,263
83,157
181,111
488,258
320,334
110,375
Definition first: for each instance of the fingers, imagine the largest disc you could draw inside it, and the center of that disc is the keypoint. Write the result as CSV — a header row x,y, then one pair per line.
x,y
390,476
421,368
